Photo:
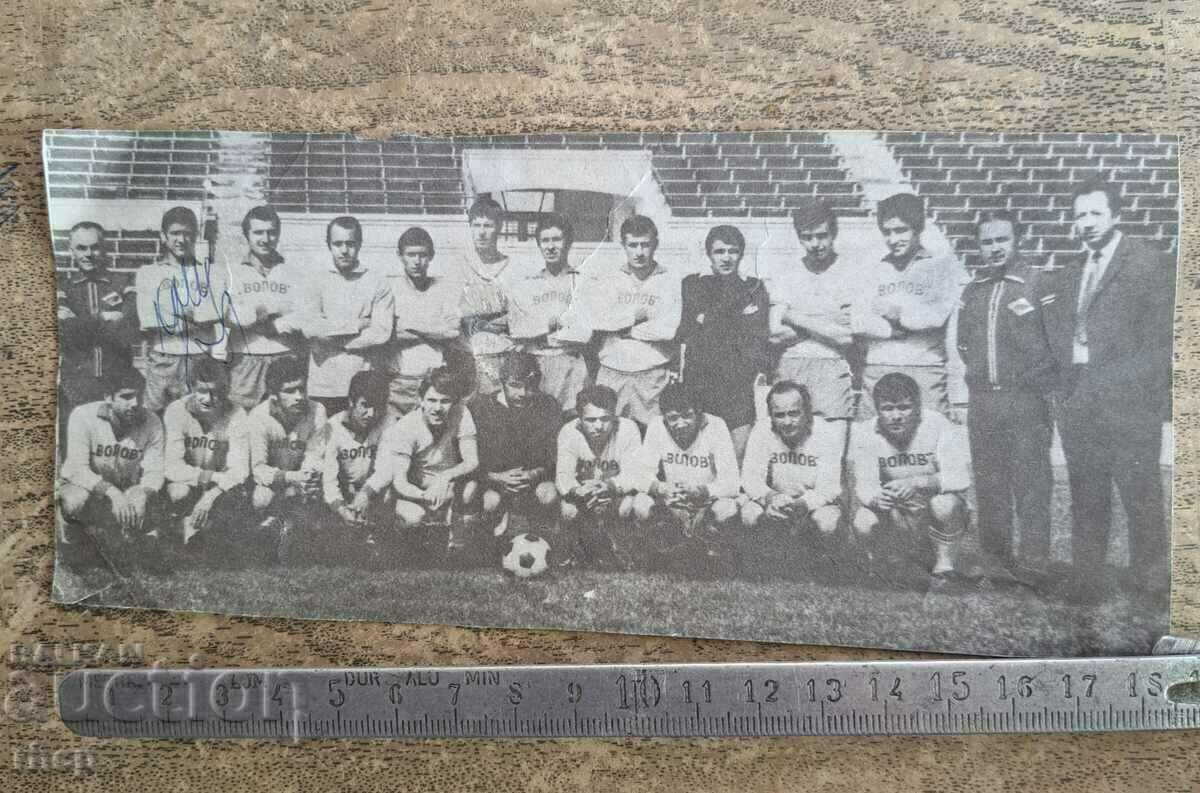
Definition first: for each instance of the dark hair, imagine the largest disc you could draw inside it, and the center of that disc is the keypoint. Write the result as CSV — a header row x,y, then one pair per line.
x,y
813,214
369,385
443,380
907,207
639,226
123,377
180,216
285,370
895,386
600,396
261,212
789,387
998,216
555,221
344,222
520,366
1098,184
678,397
730,235
86,225
485,206
414,236
209,370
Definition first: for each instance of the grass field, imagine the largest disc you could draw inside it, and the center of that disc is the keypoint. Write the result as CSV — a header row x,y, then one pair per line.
x,y
818,601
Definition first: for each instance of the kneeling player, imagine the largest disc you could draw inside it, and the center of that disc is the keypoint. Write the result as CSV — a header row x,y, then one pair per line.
x,y
518,426
911,472
206,454
112,472
286,435
688,469
596,470
430,454
354,487
793,468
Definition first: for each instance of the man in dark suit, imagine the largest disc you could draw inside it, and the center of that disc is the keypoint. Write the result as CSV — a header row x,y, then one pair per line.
x,y
1113,339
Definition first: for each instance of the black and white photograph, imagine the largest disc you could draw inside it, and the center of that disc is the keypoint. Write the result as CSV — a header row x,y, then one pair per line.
x,y
908,390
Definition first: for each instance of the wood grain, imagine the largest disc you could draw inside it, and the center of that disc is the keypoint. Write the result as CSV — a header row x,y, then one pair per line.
x,y
368,67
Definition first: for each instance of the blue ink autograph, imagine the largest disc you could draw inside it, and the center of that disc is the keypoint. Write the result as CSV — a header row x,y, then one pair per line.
x,y
187,292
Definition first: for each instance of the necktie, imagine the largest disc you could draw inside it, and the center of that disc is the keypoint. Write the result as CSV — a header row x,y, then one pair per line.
x,y
1087,292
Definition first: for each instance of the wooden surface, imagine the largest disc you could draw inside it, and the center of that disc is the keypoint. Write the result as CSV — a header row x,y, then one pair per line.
x,y
363,66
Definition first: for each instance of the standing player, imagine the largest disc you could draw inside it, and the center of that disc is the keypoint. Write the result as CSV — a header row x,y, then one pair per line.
x,y
518,428
911,471
483,302
811,322
724,331
347,314
182,305
596,471
688,471
206,456
286,434
426,321
97,321
112,472
543,318
266,295
912,294
1010,371
792,474
351,454
639,315
429,456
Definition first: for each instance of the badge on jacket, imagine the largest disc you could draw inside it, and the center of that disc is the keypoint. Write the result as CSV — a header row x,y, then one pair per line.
x,y
1020,307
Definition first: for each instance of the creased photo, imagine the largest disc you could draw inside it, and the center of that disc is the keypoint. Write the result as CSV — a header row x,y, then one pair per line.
x,y
896,389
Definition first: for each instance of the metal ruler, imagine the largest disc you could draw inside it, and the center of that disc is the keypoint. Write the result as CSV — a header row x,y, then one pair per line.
x,y
758,699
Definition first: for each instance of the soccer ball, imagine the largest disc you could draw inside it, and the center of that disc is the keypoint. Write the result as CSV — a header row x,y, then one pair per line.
x,y
527,556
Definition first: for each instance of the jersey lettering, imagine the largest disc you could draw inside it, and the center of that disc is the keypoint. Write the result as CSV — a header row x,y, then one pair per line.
x,y
906,459
286,443
117,450
794,458
903,287
254,287
205,442
637,298
691,460
584,469
357,452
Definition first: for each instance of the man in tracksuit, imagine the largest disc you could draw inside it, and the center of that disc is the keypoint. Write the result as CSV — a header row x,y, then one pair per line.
x,y
1010,370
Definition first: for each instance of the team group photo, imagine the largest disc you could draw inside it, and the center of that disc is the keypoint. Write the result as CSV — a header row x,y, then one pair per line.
x,y
748,385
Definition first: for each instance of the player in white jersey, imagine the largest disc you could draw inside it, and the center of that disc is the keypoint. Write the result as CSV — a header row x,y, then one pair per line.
x,y
483,300
687,473
427,322
183,307
113,471
596,473
811,316
266,295
911,469
543,315
638,312
351,452
792,474
907,303
347,316
207,459
286,434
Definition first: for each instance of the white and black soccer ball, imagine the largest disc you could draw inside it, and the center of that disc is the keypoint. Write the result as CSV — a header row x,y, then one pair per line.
x,y
527,556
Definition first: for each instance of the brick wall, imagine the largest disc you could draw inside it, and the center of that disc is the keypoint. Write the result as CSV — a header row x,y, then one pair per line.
x,y
1033,175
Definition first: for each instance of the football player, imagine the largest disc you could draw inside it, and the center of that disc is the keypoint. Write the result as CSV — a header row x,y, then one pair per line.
x,y
792,473
351,455
483,302
427,321
286,433
347,316
266,296
596,470
518,428
429,456
543,315
906,307
688,470
911,471
113,471
206,455
639,314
